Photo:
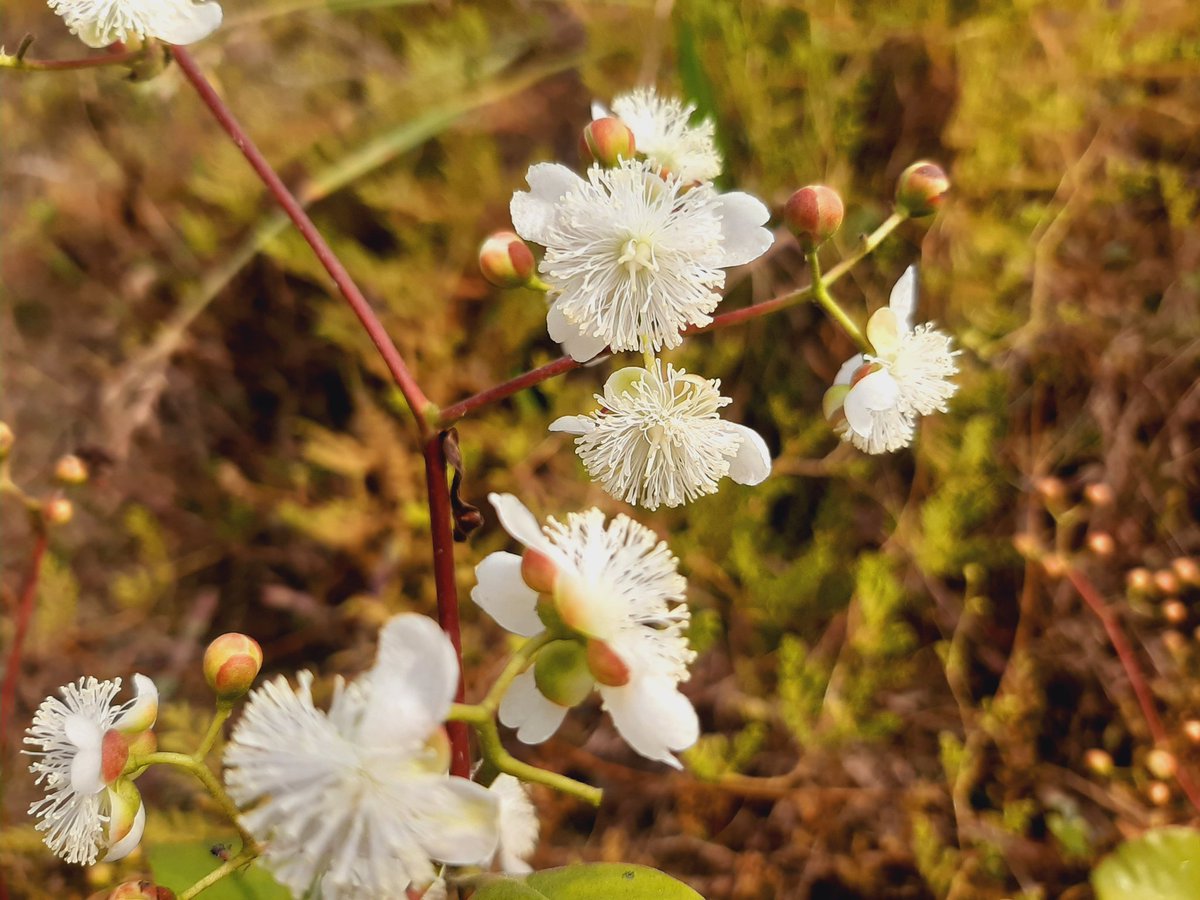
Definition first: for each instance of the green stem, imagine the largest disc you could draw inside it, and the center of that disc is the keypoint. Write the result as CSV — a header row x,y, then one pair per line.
x,y
219,718
206,777
226,868
516,665
823,299
484,723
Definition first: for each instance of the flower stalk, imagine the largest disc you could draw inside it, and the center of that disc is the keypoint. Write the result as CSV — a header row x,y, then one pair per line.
x,y
205,776
823,299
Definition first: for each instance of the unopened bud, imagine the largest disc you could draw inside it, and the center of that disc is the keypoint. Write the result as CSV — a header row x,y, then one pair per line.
x,y
1052,490
1191,731
1159,793
607,141
814,214
505,260
1099,494
1161,764
58,511
538,571
231,663
1098,761
7,439
133,890
921,188
70,469
1139,581
604,663
1166,581
1187,570
561,673
1175,611
1055,565
1101,543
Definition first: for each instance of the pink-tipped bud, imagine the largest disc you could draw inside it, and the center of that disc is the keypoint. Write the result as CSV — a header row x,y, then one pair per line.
x,y
505,260
231,663
561,673
607,667
1099,495
1161,764
70,470
7,439
1098,762
1139,581
1191,731
539,571
1175,611
1159,793
114,753
607,141
1101,543
814,214
1166,581
58,511
921,188
1187,570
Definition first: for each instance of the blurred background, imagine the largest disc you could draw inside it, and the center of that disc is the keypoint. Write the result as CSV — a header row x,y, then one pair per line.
x,y
897,703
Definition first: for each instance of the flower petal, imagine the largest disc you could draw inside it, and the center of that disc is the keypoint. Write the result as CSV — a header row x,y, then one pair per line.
x,y
752,463
883,331
141,713
573,425
133,837
653,717
903,301
520,523
849,367
413,681
518,825
459,821
878,391
621,382
741,215
599,110
525,709
579,346
182,21
533,211
502,593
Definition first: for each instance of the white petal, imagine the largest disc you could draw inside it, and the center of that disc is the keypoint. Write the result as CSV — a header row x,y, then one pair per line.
x,y
525,709
599,110
502,593
883,332
126,845
459,822
849,367
741,215
92,34
86,775
878,391
653,717
573,425
903,301
413,681
520,523
83,731
621,382
141,714
533,211
579,346
182,21
518,825
752,464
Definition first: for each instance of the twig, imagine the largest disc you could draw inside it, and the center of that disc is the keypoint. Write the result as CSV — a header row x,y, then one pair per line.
x,y
23,616
20,63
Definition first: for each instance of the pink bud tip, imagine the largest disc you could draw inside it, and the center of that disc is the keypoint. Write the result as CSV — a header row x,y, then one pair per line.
x,y
231,663
607,141
505,260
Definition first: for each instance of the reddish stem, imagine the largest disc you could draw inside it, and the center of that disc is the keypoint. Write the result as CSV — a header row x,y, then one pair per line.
x,y
441,529
1133,671
86,62
412,392
23,617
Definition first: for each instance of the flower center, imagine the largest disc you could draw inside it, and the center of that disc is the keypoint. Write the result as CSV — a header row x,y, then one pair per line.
x,y
637,254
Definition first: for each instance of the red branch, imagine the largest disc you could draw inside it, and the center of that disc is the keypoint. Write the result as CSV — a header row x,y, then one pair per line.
x,y
447,593
1133,671
413,394
24,614
85,62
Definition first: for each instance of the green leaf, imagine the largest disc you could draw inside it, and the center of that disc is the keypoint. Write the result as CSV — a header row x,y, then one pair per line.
x,y
179,866
1163,864
507,889
608,881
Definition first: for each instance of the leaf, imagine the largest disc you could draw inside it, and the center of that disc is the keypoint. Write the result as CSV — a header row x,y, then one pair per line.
x,y
507,889
1163,864
608,881
180,865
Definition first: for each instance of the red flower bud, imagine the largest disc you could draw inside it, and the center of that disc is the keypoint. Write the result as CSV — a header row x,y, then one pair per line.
x,y
505,260
921,188
607,141
814,214
231,663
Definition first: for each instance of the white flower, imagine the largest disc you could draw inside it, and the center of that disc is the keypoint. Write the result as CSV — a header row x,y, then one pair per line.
x,y
658,438
518,825
357,800
618,586
906,377
633,257
83,744
99,23
662,130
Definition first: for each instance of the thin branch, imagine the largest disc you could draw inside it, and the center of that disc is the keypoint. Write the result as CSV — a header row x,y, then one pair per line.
x,y
22,64
24,614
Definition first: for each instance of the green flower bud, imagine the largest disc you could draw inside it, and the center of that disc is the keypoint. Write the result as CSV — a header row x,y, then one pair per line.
x,y
921,188
562,674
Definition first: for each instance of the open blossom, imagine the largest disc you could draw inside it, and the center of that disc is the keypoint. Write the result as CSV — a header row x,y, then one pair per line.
x,y
658,438
633,257
358,801
616,587
99,23
907,376
82,745
518,825
663,131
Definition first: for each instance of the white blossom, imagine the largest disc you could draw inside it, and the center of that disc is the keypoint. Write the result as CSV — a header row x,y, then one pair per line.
x,y
632,257
907,376
357,801
99,23
82,745
518,825
658,437
618,585
663,131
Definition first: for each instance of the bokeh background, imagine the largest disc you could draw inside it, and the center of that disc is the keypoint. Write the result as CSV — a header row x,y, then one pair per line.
x,y
896,702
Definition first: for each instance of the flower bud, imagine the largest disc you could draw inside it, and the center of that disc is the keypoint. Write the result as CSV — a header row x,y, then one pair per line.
x,y
1159,793
561,673
814,214
1175,611
1191,731
1187,570
1101,543
7,439
1161,764
1054,565
1166,581
58,511
138,890
607,141
607,667
505,260
1099,494
1139,581
921,188
231,663
70,470
538,571
1098,762
1051,489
